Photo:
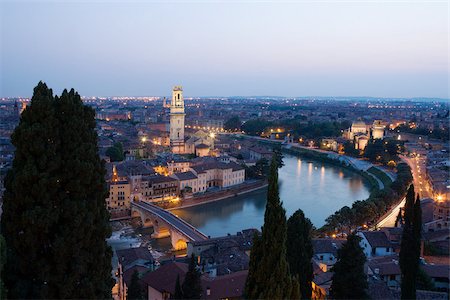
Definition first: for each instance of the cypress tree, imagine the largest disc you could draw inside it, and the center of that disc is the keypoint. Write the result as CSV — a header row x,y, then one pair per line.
x,y
178,291
192,286
55,220
349,279
134,290
271,278
410,245
2,264
300,251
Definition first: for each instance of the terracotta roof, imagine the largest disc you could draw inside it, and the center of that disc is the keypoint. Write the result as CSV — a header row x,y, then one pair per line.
x,y
185,176
163,279
327,245
226,286
130,255
437,271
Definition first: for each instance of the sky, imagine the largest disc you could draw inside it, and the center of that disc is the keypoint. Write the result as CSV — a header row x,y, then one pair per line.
x,y
226,48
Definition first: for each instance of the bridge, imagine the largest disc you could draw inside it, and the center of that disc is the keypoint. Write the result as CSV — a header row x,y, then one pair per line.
x,y
166,224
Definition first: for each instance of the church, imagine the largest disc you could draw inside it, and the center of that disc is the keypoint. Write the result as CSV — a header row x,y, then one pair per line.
x,y
200,143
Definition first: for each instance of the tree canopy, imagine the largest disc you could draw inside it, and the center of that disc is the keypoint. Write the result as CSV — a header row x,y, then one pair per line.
x,y
54,220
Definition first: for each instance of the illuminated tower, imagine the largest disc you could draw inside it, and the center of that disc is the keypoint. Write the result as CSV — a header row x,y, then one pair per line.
x,y
177,120
378,129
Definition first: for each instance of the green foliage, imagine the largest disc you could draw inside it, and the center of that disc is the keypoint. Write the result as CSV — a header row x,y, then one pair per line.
x,y
134,290
423,281
349,149
233,124
269,276
115,152
55,221
370,210
300,251
380,175
278,155
298,127
437,133
349,279
410,245
192,286
178,291
255,126
383,151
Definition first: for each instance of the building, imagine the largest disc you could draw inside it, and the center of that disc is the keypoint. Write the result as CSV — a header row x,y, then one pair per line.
x,y
378,129
161,283
375,243
119,193
177,116
159,188
325,252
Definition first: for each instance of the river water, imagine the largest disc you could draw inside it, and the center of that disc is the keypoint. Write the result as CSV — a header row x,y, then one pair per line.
x,y
316,188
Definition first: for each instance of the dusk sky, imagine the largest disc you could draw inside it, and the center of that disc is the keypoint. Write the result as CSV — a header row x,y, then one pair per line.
x,y
294,48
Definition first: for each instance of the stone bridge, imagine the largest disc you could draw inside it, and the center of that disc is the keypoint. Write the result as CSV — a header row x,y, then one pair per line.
x,y
166,224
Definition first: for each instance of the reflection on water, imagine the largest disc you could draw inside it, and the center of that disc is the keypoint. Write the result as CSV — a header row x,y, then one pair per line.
x,y
319,191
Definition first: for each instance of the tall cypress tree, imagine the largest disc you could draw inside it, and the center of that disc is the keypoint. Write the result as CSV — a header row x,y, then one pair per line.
x,y
270,279
192,285
349,279
134,291
410,246
300,251
54,219
178,291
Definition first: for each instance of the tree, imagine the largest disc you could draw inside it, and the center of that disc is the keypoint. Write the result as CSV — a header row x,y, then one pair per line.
x,y
300,251
349,280
192,286
178,291
134,290
278,156
115,152
410,245
55,221
269,276
2,264
233,124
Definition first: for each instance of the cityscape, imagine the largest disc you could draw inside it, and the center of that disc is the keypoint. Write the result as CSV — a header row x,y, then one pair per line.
x,y
175,195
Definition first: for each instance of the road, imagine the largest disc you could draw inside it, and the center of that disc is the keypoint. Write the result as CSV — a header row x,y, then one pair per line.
x,y
182,226
389,220
418,169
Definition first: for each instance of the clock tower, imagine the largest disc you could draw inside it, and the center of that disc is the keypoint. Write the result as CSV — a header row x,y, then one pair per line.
x,y
177,121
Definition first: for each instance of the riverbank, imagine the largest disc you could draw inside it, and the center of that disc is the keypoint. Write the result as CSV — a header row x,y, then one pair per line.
x,y
221,195
386,195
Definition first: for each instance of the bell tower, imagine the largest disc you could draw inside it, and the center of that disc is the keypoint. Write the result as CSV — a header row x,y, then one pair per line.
x,y
177,120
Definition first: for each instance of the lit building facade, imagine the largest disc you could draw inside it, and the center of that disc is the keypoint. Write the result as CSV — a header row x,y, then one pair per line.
x,y
177,116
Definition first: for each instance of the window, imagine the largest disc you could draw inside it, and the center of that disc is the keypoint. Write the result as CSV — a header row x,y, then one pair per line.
x,y
321,257
387,249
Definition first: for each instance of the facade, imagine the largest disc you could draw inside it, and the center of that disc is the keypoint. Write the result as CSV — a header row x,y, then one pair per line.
x,y
378,129
159,188
177,116
375,243
119,196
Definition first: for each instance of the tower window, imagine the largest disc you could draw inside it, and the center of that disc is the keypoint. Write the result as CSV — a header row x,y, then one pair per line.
x,y
178,96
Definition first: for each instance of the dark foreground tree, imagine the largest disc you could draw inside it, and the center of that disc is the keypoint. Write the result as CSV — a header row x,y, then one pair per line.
x,y
134,291
192,286
2,264
349,280
54,218
300,251
178,291
269,276
410,245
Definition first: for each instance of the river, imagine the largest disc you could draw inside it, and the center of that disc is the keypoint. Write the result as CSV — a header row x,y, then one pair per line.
x,y
316,188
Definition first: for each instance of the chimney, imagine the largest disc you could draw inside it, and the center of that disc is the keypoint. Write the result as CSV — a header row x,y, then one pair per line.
x,y
208,291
